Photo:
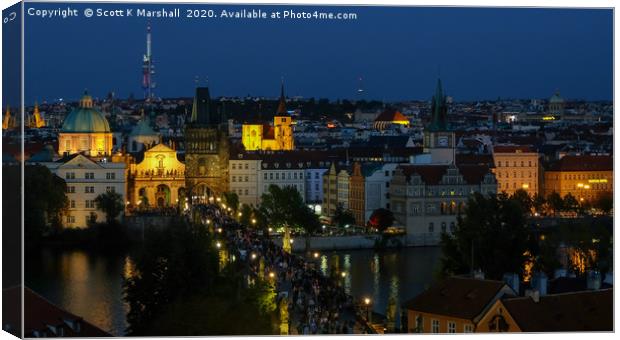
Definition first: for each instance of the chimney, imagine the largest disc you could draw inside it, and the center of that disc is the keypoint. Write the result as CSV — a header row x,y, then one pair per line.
x,y
593,280
479,275
534,294
559,273
539,283
609,278
512,280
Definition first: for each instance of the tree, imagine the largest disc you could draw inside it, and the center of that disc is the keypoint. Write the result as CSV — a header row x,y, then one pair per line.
x,y
490,235
524,199
246,215
555,202
111,204
381,219
538,203
284,207
232,200
605,202
570,203
343,217
45,202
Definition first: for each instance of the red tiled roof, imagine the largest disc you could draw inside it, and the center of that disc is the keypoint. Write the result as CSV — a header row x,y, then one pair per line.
x,y
463,298
583,163
40,314
585,311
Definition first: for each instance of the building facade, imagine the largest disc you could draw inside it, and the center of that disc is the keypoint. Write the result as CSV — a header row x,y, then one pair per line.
x,y
427,198
278,136
585,177
244,170
86,179
516,167
158,180
206,150
335,188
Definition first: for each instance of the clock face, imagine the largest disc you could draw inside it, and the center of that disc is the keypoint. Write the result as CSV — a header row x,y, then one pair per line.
x,y
442,141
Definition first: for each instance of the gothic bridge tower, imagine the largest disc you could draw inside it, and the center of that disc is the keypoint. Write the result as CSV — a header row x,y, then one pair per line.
x,y
206,150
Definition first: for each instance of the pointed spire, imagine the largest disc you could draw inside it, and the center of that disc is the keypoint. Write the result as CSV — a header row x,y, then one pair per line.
x,y
201,109
282,104
439,108
6,122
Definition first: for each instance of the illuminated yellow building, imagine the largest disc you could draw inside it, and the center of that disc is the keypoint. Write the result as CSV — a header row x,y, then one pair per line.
x,y
516,167
85,130
278,136
35,121
8,122
159,180
585,177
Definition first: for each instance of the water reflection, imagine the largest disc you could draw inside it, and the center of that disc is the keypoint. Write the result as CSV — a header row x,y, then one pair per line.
x,y
396,275
88,285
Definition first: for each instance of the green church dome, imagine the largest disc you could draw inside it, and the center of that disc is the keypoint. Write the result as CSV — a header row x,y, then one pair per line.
x,y
85,119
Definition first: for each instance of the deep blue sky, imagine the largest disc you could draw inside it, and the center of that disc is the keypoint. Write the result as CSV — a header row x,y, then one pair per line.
x,y
481,54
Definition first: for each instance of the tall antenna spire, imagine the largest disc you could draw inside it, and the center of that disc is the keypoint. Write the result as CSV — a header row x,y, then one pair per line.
x,y
148,69
282,103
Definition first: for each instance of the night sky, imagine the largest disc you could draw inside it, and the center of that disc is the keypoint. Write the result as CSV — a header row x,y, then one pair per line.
x,y
399,52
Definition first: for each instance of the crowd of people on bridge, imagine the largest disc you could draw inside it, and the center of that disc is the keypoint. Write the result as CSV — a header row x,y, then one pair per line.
x,y
316,304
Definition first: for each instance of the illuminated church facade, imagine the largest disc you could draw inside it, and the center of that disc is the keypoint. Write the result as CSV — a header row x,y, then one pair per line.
x,y
278,136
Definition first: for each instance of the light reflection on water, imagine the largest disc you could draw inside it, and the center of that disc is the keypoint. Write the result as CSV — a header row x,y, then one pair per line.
x,y
86,284
90,284
398,274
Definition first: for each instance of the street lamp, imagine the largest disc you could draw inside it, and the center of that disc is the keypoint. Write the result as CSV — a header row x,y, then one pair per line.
x,y
272,275
316,255
218,245
253,256
367,303
253,221
343,274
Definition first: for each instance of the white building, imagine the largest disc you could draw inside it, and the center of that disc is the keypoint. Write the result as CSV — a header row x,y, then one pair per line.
x,y
86,179
426,199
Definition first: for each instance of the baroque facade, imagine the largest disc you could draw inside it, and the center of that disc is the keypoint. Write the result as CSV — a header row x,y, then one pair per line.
x,y
158,180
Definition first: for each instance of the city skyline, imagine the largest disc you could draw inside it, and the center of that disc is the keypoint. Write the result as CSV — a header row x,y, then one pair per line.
x,y
397,59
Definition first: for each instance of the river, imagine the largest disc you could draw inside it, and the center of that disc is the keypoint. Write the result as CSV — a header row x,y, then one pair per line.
x,y
89,284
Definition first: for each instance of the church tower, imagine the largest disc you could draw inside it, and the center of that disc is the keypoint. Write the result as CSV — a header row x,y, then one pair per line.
x,y
282,123
206,150
439,140
38,120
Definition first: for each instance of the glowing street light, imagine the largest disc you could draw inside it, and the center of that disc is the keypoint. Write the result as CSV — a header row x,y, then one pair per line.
x,y
272,275
316,255
219,230
270,229
240,214
253,256
218,245
367,301
253,221
343,274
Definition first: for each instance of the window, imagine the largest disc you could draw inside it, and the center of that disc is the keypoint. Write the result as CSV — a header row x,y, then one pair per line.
x,y
234,166
387,173
110,189
452,225
247,179
89,175
434,326
316,175
246,166
468,329
265,175
301,175
271,175
295,176
234,178
419,324
443,227
70,219
110,175
89,204
277,175
89,190
246,192
499,163
70,175
71,189
451,327
72,204
431,227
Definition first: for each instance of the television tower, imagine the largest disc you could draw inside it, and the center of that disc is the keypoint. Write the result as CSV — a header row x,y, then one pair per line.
x,y
148,69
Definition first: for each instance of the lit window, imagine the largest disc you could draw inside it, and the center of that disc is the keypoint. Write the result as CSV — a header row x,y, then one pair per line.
x,y
434,326
468,329
451,327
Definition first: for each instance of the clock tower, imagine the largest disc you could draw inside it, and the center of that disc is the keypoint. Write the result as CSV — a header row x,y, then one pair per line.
x,y
439,140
